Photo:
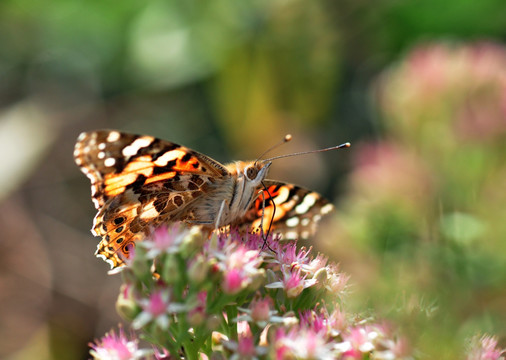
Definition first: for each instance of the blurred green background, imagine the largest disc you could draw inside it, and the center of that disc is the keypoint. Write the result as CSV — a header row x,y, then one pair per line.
x,y
418,87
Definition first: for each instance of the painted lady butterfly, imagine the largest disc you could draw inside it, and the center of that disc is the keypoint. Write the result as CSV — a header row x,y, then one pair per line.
x,y
139,182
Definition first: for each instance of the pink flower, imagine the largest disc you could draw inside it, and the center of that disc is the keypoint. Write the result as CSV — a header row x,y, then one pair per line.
x,y
313,320
165,240
239,265
288,255
337,321
157,308
261,309
260,313
233,281
315,264
117,347
293,283
357,341
302,344
245,347
336,281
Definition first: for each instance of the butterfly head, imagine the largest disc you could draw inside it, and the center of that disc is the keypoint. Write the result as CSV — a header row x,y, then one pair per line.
x,y
252,172
256,171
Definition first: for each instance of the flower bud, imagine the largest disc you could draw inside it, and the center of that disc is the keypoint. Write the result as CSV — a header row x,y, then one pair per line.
x,y
321,276
139,264
257,280
169,269
196,317
261,309
193,241
213,322
126,304
197,271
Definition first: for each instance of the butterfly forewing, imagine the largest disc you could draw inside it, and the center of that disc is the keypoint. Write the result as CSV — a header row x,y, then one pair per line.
x,y
115,161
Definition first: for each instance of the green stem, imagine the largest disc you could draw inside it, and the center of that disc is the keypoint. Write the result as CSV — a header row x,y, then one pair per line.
x,y
191,350
232,326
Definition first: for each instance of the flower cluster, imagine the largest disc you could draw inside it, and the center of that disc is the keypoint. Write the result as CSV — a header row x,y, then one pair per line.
x,y
238,296
485,348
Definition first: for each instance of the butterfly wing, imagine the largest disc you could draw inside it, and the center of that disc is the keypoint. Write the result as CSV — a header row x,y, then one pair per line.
x,y
295,214
138,182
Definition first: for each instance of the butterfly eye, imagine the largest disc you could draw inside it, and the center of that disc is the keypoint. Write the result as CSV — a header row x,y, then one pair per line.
x,y
251,172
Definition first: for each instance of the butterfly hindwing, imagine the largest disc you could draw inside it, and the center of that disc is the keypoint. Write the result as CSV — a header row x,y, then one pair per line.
x,y
296,211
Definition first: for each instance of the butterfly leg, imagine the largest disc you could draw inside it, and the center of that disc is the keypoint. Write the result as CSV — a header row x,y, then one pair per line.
x,y
262,233
262,217
220,214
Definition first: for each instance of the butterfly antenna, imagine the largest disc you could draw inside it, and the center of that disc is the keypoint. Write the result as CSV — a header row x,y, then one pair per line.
x,y
286,139
345,145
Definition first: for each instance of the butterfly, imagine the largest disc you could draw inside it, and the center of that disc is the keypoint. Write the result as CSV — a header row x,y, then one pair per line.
x,y
139,182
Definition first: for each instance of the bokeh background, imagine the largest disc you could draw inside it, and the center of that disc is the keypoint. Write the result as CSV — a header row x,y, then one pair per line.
x,y
418,87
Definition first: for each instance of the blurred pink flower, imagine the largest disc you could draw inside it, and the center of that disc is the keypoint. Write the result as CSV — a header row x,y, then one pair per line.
x,y
385,171
244,347
233,281
450,91
302,343
485,348
357,341
197,313
260,313
117,347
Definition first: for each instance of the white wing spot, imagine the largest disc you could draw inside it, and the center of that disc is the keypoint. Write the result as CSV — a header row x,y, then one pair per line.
x,y
101,155
291,235
81,136
113,136
305,222
169,156
138,144
292,222
109,162
101,146
327,208
150,213
316,218
306,204
305,234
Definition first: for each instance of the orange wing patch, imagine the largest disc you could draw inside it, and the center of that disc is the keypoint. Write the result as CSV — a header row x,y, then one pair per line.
x,y
296,211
